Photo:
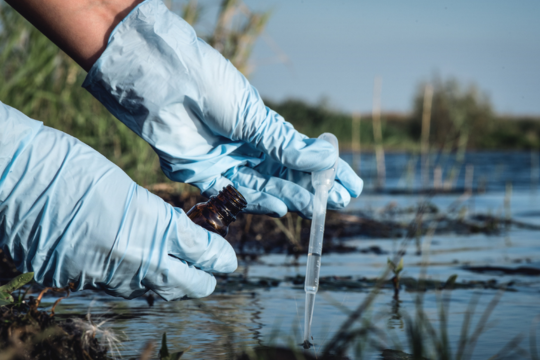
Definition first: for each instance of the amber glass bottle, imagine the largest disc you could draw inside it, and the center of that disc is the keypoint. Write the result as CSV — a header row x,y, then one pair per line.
x,y
219,212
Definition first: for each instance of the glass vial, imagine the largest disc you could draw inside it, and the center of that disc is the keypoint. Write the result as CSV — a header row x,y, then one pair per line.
x,y
219,212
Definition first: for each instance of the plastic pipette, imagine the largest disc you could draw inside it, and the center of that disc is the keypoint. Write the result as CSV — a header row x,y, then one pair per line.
x,y
322,182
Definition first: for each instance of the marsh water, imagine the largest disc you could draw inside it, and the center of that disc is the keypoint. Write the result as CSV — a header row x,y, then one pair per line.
x,y
270,315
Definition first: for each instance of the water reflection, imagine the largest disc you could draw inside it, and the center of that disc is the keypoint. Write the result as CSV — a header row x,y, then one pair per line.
x,y
396,320
256,319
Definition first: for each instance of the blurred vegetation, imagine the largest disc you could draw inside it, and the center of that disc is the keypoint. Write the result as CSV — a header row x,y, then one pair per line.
x,y
45,84
456,112
478,131
314,119
460,117
235,31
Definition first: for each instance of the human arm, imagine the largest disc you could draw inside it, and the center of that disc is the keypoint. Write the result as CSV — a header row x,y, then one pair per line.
x,y
81,28
206,122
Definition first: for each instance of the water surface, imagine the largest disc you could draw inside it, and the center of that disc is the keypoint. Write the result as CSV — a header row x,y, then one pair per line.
x,y
275,315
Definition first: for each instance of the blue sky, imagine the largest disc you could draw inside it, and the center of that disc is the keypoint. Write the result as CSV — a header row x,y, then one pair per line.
x,y
335,49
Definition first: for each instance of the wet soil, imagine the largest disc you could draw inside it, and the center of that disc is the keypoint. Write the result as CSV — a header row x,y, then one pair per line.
x,y
502,270
281,353
253,235
236,282
27,333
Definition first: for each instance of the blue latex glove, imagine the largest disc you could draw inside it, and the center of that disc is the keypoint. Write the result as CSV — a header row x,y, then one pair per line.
x,y
208,125
70,215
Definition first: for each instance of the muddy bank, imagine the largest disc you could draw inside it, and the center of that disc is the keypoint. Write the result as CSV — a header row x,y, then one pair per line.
x,y
503,270
253,235
237,282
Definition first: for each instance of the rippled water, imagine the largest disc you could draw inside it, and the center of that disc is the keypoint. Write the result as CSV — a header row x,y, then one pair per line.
x,y
490,170
247,319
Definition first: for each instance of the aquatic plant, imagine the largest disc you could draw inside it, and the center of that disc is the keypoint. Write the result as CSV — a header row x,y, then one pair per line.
x,y
6,290
293,232
28,333
396,270
164,351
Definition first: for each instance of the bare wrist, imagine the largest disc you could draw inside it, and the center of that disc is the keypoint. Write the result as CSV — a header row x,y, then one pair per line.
x,y
80,28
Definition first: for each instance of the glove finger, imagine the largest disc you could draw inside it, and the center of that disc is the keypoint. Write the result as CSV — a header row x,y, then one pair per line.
x,y
348,178
295,197
262,203
338,197
258,202
303,154
277,138
200,247
181,279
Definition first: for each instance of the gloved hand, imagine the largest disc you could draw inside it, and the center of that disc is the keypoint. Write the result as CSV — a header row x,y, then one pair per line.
x,y
70,215
208,125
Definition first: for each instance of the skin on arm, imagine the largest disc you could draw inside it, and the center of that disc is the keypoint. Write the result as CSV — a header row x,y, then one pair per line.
x,y
80,28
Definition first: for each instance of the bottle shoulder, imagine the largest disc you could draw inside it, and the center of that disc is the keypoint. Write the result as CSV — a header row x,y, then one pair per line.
x,y
203,215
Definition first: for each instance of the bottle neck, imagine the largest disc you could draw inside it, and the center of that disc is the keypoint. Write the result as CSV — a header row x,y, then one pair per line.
x,y
228,203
